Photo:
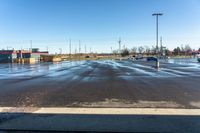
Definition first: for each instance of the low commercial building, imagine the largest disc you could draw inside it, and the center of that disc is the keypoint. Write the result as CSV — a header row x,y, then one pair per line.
x,y
21,56
7,56
36,54
24,60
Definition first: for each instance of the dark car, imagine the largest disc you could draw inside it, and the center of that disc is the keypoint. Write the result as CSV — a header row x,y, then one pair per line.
x,y
152,59
87,56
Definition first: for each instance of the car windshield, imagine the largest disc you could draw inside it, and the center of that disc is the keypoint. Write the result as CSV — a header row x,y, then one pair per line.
x,y
99,66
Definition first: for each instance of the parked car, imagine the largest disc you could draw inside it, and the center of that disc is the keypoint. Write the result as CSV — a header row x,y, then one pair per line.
x,y
139,57
152,59
131,57
198,57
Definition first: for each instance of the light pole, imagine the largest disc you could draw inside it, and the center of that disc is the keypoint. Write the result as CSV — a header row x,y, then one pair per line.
x,y
157,15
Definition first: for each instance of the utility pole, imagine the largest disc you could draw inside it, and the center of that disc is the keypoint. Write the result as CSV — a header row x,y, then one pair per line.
x,y
31,45
157,15
79,46
21,53
119,44
79,49
60,50
70,48
85,49
75,51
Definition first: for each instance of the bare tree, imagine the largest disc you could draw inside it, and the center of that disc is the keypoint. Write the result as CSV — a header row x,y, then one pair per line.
x,y
125,52
141,49
188,48
115,52
153,49
147,49
182,48
133,50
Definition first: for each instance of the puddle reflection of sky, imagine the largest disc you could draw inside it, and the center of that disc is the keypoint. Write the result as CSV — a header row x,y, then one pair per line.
x,y
171,68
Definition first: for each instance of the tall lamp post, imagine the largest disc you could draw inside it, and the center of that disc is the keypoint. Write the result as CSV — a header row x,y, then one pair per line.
x,y
157,15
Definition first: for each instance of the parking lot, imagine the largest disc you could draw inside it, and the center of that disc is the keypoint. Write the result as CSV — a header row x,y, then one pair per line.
x,y
102,83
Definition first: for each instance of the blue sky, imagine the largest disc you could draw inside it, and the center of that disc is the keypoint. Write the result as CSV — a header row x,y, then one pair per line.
x,y
97,23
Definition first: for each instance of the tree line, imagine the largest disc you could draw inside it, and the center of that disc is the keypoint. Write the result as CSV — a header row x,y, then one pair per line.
x,y
184,50
146,50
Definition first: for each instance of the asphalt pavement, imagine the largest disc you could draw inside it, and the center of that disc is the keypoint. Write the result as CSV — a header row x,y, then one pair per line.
x,y
101,83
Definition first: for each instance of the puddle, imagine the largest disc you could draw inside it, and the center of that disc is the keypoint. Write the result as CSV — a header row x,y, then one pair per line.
x,y
122,69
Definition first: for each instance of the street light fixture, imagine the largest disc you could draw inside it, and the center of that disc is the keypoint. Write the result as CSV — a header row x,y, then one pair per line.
x,y
157,15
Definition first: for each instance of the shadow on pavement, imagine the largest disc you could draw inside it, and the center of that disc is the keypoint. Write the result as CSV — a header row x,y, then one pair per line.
x,y
98,123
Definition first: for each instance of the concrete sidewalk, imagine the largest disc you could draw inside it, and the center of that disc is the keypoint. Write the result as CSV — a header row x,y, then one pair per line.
x,y
102,111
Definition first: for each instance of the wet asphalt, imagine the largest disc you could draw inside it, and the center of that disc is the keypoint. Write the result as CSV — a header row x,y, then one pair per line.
x,y
101,83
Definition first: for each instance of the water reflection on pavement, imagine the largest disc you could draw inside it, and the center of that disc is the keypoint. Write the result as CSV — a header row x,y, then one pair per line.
x,y
101,83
